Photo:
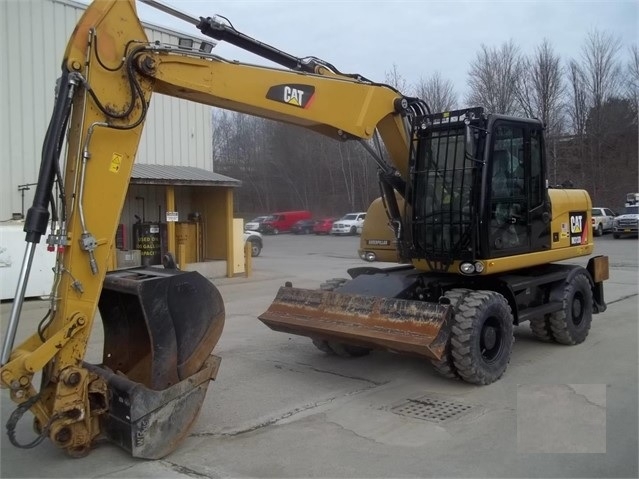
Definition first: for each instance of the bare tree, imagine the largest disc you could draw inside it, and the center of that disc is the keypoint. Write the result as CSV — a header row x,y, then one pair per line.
x,y
396,80
539,90
492,78
439,93
595,80
602,71
539,86
577,106
632,78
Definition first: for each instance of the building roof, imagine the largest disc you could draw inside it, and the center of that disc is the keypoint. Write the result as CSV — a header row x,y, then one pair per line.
x,y
179,176
83,4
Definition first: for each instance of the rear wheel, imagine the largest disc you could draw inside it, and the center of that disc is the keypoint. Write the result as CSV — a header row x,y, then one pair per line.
x,y
256,248
482,337
599,230
572,324
445,365
541,329
615,236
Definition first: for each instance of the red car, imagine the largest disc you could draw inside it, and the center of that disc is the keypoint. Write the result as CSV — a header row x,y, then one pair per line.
x,y
323,226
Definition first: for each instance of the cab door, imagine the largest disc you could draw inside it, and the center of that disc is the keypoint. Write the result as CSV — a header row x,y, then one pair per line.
x,y
518,210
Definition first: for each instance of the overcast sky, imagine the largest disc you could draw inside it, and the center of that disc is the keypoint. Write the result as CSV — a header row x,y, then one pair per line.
x,y
419,37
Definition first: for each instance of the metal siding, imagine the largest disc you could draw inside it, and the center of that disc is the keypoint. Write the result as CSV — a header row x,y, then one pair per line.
x,y
6,162
34,34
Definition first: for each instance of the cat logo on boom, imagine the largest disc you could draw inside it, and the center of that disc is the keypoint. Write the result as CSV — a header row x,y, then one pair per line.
x,y
297,95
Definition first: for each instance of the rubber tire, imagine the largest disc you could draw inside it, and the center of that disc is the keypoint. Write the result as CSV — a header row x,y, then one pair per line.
x,y
616,236
541,329
343,350
323,346
599,230
577,292
256,249
276,231
476,309
353,230
445,366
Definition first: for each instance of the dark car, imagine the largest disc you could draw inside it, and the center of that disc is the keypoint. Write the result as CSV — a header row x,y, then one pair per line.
x,y
323,226
303,227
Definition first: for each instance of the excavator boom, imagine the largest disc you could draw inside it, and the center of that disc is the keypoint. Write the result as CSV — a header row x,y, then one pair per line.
x,y
160,325
481,257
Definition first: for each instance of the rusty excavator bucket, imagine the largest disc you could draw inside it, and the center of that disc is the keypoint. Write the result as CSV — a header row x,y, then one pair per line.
x,y
397,325
160,326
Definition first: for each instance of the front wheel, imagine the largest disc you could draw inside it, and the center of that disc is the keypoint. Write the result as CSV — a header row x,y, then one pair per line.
x,y
482,337
615,236
276,231
445,365
353,230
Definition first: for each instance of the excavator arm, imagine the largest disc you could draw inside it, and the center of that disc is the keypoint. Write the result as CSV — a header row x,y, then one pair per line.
x,y
160,325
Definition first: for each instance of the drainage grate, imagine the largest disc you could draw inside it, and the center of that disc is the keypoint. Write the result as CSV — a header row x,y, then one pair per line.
x,y
431,409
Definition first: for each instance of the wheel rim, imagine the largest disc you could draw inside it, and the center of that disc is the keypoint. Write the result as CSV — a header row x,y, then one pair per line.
x,y
577,309
255,250
491,340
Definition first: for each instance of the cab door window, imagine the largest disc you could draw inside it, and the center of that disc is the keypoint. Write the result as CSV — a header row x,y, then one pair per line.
x,y
509,195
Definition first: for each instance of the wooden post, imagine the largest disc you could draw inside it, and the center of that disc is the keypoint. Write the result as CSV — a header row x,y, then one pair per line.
x,y
248,259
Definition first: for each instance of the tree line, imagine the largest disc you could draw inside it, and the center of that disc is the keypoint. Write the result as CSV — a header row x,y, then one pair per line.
x,y
588,105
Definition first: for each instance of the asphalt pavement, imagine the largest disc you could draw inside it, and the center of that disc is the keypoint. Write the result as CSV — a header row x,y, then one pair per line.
x,y
282,408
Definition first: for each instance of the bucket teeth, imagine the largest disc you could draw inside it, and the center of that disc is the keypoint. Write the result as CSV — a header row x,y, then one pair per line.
x,y
398,325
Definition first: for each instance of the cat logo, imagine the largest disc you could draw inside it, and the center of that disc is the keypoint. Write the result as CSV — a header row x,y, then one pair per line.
x,y
297,95
578,228
576,223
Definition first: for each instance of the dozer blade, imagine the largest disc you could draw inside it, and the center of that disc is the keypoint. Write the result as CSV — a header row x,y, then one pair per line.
x,y
160,327
398,325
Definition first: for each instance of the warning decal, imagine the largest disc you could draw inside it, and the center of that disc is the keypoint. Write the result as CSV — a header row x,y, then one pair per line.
x,y
116,163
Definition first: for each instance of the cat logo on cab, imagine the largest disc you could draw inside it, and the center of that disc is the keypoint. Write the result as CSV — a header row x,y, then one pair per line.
x,y
297,95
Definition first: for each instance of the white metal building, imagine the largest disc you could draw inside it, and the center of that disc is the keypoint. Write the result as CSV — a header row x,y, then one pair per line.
x,y
33,37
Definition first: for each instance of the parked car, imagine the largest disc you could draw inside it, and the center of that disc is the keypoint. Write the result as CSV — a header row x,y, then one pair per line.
x,y
348,224
283,221
626,224
602,219
254,224
255,239
303,227
323,226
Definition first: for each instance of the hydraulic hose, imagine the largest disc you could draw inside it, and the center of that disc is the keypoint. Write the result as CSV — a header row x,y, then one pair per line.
x,y
37,218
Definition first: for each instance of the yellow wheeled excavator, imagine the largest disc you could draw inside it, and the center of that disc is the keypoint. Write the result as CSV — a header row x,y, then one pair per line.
x,y
464,197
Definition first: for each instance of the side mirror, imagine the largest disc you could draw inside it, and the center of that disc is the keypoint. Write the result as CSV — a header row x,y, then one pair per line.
x,y
469,140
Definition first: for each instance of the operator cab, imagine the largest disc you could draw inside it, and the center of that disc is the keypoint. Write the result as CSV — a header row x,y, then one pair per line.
x,y
478,187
